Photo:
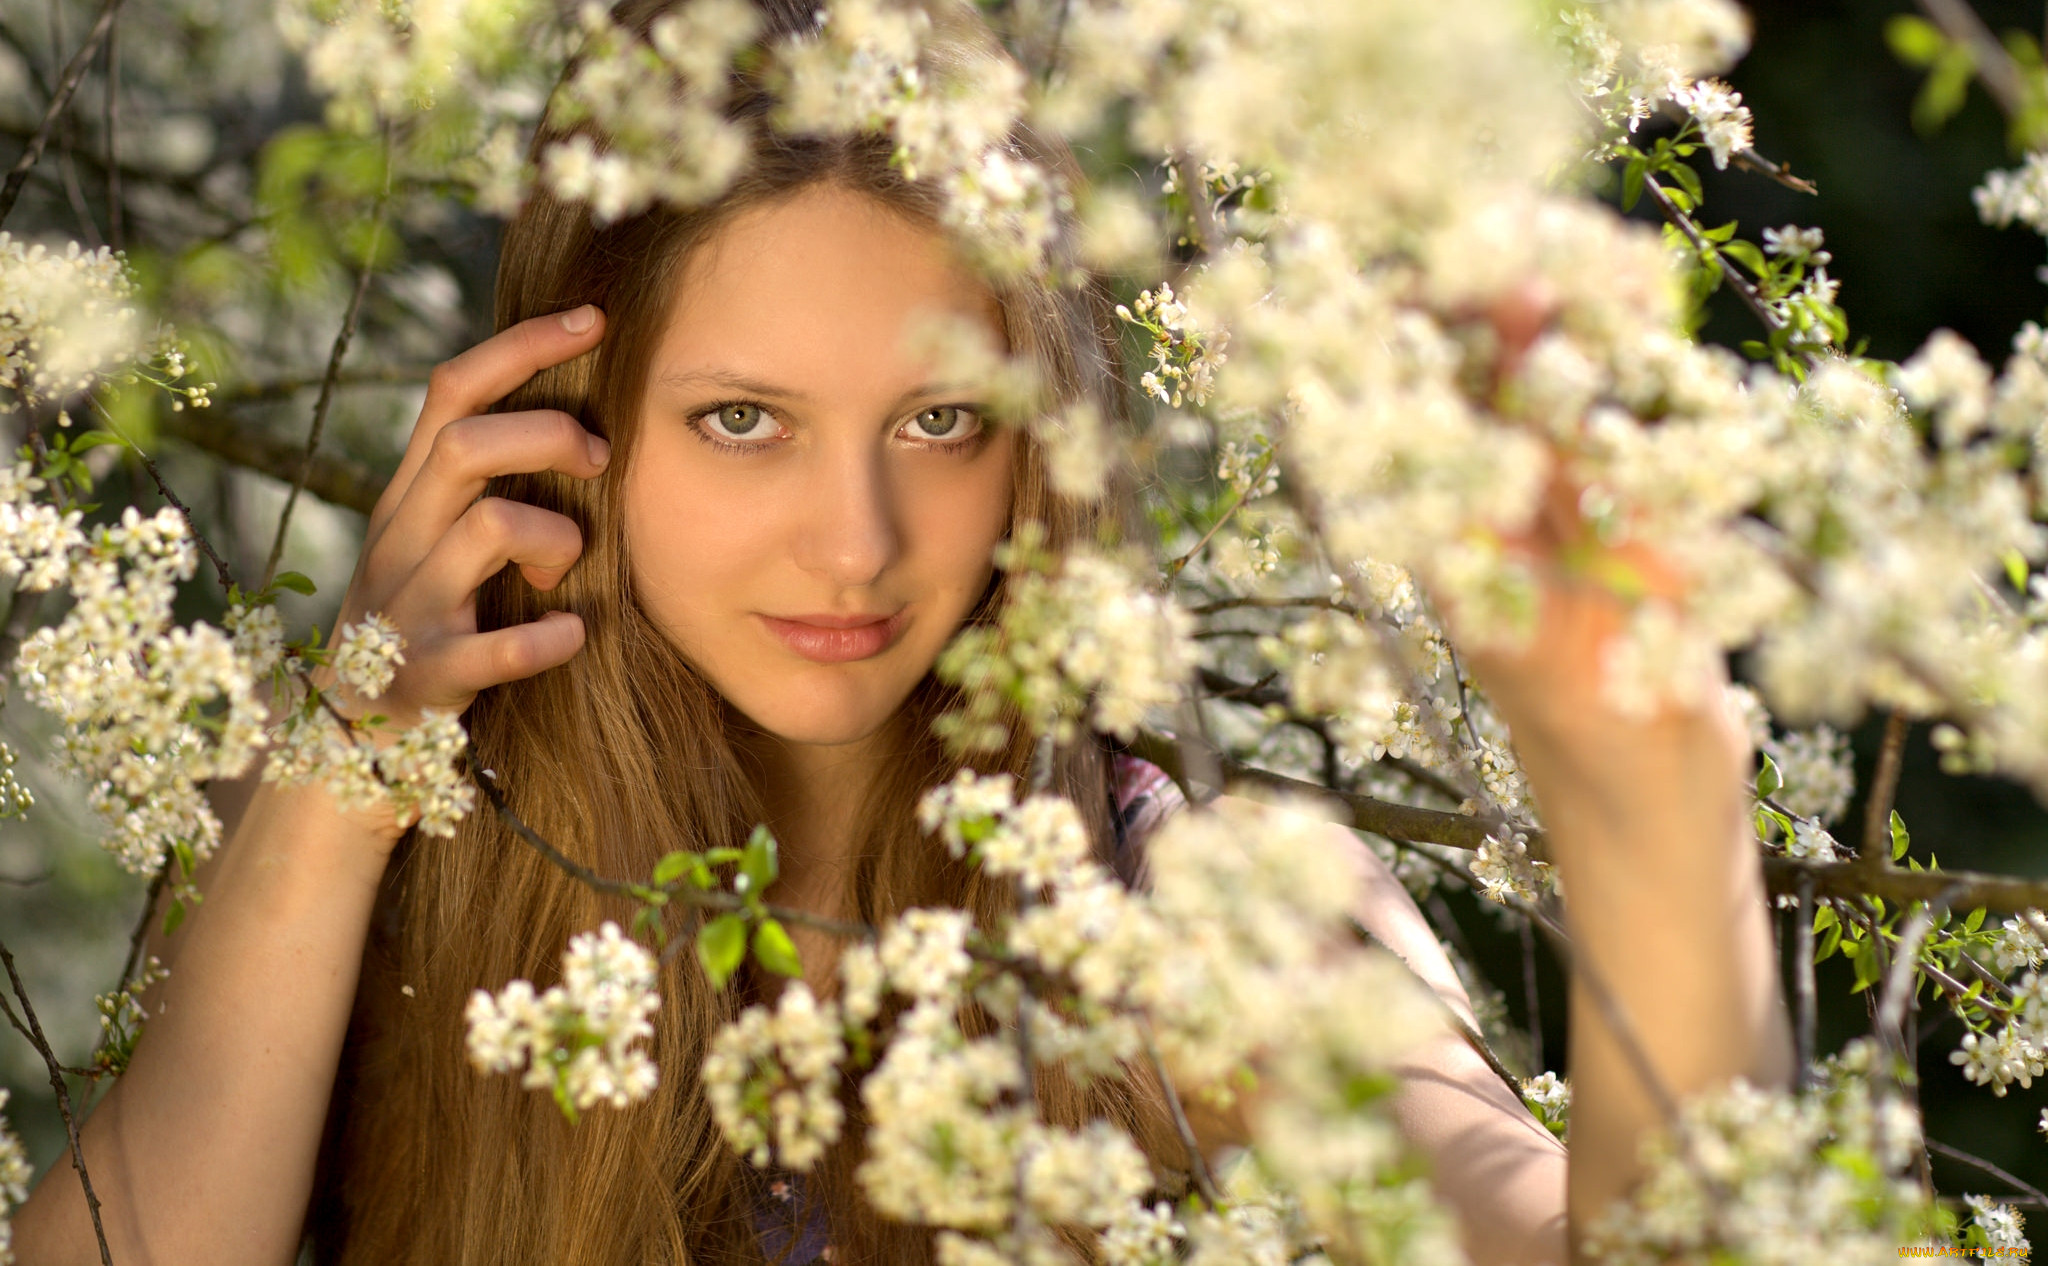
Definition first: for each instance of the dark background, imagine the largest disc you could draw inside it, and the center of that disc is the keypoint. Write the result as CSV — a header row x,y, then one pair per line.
x,y
1833,103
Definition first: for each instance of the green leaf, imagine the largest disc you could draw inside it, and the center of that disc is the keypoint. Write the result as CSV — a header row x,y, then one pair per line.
x,y
1720,233
1825,917
1747,254
174,916
94,439
648,920
1768,779
774,950
1900,838
1946,87
721,944
1914,40
297,582
673,867
2016,569
1975,921
758,866
1688,180
1632,183
1830,941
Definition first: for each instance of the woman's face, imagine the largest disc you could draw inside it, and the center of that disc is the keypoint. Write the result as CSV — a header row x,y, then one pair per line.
x,y
810,510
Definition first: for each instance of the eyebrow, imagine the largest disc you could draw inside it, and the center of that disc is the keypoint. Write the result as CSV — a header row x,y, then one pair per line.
x,y
733,380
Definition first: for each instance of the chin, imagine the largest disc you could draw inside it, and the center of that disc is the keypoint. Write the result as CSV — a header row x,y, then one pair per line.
x,y
820,714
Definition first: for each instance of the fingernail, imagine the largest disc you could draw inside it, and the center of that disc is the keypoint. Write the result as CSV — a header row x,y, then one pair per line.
x,y
579,320
600,448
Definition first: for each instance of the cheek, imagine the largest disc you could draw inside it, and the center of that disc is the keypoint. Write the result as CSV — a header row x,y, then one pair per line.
x,y
690,537
956,518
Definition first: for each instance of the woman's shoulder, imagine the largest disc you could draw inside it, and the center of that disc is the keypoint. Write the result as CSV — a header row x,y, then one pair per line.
x,y
1144,796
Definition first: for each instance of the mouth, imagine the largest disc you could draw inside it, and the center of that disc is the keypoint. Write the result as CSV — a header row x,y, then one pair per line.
x,y
836,639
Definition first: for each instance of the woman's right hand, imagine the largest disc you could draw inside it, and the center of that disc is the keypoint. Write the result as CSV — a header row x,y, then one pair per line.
x,y
433,538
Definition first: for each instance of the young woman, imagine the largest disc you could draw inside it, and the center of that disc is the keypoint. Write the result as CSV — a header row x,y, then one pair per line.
x,y
741,521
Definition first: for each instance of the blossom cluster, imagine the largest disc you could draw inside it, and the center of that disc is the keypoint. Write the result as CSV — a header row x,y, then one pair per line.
x,y
2019,1049
1184,357
67,319
660,101
1814,1175
579,1039
772,1079
464,67
131,688
1087,642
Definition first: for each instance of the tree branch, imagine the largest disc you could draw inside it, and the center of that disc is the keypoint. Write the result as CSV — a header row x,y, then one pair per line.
x,y
338,481
1876,854
31,1028
1995,67
342,338
67,83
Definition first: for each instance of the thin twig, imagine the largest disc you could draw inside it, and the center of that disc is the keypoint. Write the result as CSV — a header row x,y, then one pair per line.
x,y
1995,67
1198,1164
1751,297
342,338
678,895
1750,160
140,932
1802,985
220,568
1958,1154
31,1028
1208,235
1237,502
1273,604
1876,853
110,123
1898,986
67,83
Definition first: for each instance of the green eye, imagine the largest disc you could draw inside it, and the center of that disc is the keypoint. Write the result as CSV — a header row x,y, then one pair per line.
x,y
941,422
738,419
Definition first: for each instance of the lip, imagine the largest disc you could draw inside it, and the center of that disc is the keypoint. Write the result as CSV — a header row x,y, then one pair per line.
x,y
836,639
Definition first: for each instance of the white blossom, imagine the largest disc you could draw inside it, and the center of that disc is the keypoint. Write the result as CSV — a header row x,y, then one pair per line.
x,y
771,1077
578,1039
367,654
2020,194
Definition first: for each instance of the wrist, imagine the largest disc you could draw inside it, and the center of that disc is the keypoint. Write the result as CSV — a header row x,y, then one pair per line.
x,y
309,819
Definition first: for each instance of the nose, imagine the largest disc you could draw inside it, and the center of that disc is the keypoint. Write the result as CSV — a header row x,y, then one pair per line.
x,y
848,534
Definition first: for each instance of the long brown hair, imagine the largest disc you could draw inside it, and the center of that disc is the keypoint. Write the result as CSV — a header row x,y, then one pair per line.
x,y
625,753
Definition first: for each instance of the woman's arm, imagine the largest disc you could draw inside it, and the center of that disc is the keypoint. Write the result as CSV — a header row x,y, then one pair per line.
x,y
1646,820
1666,908
204,1151
1491,1161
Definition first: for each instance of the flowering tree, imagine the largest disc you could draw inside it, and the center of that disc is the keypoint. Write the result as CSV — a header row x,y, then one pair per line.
x,y
1381,330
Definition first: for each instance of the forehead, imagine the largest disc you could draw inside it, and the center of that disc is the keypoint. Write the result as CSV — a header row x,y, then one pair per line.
x,y
818,288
